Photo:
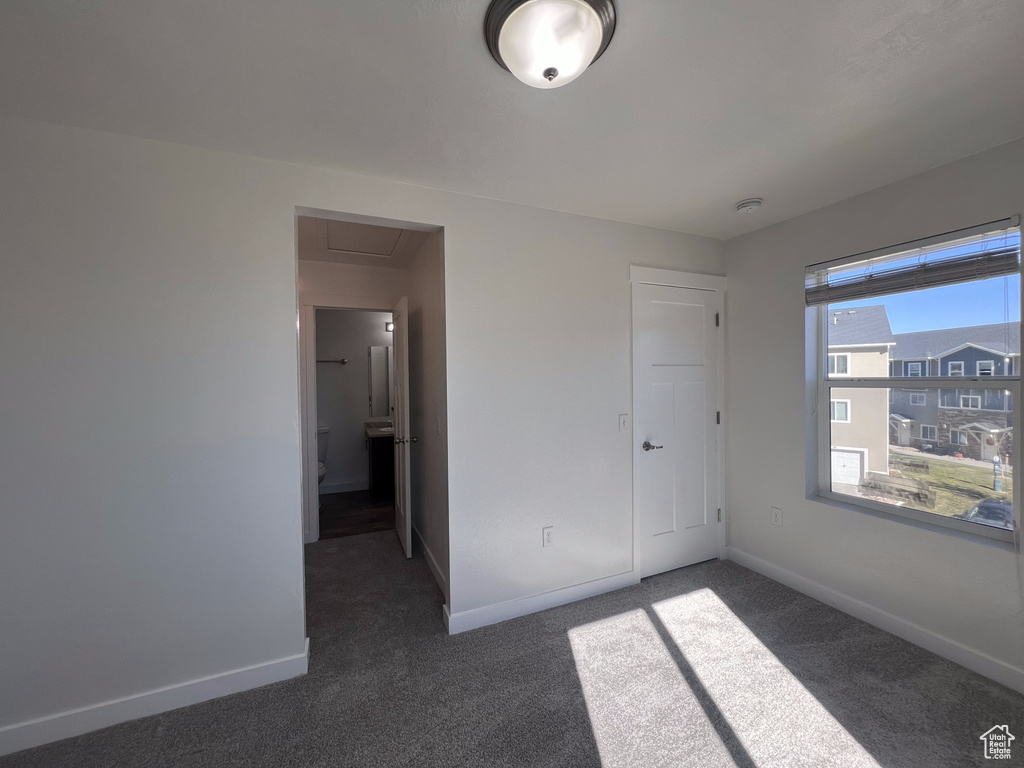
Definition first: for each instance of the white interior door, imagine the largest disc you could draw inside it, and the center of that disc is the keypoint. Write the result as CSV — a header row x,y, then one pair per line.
x,y
675,437
403,440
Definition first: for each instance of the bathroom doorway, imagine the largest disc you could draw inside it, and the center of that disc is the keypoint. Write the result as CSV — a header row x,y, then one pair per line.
x,y
355,413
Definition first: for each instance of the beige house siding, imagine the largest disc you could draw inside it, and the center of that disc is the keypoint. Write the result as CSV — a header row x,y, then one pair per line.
x,y
869,408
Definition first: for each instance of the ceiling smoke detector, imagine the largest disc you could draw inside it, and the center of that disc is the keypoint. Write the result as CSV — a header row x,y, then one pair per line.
x,y
749,205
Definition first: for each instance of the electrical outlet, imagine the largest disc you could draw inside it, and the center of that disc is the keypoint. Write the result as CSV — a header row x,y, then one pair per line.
x,y
549,535
776,516
623,422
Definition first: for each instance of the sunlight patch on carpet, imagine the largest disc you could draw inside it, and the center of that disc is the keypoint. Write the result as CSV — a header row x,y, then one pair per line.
x,y
778,721
642,711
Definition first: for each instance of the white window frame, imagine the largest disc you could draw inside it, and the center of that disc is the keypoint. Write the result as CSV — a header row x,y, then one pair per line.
x,y
991,363
819,488
836,356
962,432
959,363
922,395
910,367
970,407
831,411
935,432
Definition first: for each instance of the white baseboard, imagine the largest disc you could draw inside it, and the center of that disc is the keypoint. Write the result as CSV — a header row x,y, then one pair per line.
x,y
492,614
357,485
976,661
432,563
75,722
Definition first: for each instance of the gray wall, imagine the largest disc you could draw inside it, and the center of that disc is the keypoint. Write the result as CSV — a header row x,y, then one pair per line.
x,y
428,404
151,531
961,588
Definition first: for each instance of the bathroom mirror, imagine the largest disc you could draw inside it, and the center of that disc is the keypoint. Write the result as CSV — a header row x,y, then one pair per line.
x,y
380,381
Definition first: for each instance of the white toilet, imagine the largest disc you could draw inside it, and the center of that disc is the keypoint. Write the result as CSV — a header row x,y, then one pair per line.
x,y
321,452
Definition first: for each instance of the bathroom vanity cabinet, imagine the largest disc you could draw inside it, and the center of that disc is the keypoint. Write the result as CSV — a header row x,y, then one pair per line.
x,y
381,438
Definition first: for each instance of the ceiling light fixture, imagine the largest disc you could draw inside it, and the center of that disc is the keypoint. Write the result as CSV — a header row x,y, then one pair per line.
x,y
548,43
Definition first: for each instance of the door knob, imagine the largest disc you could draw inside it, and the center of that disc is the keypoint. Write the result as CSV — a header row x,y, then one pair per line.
x,y
414,439
399,440
648,447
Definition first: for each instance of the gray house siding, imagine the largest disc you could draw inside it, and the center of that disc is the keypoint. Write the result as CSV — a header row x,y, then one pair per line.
x,y
970,357
953,408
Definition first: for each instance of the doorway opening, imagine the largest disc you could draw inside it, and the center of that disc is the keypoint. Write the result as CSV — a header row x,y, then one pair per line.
x,y
355,430
373,382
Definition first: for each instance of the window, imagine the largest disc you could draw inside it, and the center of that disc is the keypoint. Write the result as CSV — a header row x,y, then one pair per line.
x,y
841,410
889,309
995,400
839,364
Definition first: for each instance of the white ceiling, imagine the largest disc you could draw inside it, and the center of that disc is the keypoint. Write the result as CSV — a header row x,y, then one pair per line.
x,y
695,105
344,242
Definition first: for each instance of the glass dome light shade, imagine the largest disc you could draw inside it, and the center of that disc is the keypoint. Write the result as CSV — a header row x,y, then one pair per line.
x,y
549,43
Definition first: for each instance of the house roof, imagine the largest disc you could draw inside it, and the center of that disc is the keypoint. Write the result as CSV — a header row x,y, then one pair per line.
x,y
859,325
984,426
1002,338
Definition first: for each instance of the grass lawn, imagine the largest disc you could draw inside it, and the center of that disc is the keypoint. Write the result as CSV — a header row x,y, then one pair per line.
x,y
958,487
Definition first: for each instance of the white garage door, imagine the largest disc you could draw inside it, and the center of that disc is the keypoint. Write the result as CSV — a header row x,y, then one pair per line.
x,y
847,467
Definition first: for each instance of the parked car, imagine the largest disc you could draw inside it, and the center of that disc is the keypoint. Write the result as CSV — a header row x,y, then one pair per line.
x,y
994,512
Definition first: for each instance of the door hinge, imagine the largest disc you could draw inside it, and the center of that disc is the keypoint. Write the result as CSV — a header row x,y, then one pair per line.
x,y
716,319
719,514
718,417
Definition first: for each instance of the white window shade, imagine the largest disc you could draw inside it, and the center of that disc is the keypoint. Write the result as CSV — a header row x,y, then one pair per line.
x,y
961,257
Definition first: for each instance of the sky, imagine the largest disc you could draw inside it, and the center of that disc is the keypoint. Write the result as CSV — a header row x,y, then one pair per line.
x,y
982,302
953,306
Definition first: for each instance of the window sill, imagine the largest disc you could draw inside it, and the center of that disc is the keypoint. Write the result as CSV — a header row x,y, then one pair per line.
x,y
916,517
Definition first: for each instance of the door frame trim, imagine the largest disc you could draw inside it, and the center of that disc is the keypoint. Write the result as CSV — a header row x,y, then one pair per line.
x,y
639,275
309,303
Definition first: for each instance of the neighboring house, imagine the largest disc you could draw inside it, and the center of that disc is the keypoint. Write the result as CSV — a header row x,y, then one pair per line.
x,y
859,340
977,423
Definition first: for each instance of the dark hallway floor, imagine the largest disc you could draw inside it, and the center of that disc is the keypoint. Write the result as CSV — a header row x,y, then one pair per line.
x,y
711,665
355,512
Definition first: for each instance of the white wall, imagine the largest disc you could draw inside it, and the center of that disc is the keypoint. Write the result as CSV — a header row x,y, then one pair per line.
x,y
428,404
954,586
149,533
352,280
342,392
151,527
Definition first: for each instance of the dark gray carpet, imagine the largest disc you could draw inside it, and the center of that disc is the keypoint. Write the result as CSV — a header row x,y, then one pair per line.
x,y
709,665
